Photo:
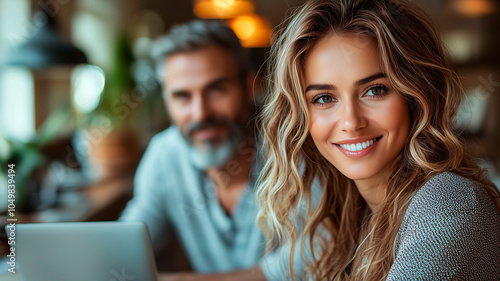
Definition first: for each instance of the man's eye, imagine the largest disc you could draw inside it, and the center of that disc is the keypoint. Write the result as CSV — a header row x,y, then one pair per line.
x,y
218,89
180,96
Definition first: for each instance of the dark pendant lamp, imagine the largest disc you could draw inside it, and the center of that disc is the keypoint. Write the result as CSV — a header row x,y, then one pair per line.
x,y
45,47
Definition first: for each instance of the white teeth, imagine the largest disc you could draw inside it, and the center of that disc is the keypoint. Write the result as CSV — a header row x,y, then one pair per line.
x,y
357,146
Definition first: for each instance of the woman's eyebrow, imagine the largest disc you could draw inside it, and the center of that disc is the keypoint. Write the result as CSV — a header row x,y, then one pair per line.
x,y
370,78
322,87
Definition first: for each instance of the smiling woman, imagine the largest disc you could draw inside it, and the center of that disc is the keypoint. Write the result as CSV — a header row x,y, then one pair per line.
x,y
357,121
363,99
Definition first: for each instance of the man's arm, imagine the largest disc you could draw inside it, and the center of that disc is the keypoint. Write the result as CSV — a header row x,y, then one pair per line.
x,y
148,204
251,274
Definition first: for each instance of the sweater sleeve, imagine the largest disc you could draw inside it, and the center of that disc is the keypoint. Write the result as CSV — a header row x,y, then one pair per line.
x,y
451,231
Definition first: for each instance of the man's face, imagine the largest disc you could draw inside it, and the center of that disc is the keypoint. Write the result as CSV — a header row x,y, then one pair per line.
x,y
206,99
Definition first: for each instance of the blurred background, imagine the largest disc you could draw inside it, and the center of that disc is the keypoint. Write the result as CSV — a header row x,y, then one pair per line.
x,y
79,100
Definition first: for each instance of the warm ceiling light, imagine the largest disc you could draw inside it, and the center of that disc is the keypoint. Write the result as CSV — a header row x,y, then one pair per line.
x,y
474,8
224,3
244,27
252,30
222,9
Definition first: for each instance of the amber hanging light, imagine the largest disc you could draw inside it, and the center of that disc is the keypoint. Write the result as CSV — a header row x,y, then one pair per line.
x,y
222,9
252,30
474,8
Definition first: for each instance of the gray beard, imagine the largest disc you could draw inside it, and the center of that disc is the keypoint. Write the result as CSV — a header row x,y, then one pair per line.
x,y
211,155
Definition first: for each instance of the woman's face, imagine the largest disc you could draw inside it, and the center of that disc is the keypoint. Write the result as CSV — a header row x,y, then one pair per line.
x,y
358,122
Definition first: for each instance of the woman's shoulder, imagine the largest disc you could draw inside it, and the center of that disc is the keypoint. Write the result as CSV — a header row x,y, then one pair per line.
x,y
453,206
447,192
450,230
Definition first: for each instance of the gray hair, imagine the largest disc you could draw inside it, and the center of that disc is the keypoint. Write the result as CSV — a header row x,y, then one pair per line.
x,y
196,35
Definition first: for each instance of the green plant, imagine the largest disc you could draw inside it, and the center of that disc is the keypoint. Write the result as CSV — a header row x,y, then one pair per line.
x,y
27,156
119,85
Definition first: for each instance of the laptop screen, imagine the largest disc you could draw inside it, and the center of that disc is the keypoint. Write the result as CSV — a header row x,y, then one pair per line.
x,y
109,251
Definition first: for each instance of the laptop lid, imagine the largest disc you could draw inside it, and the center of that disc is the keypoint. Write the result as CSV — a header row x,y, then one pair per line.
x,y
82,251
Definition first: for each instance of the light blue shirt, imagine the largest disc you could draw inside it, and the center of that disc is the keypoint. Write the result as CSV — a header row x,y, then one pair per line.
x,y
171,195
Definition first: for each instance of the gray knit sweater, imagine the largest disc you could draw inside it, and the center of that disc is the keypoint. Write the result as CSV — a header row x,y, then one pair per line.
x,y
451,231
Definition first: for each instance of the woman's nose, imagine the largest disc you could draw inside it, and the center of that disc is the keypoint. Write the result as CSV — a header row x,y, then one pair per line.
x,y
352,116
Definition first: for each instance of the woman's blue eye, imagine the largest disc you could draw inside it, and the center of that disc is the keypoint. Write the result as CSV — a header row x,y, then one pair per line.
x,y
376,91
324,99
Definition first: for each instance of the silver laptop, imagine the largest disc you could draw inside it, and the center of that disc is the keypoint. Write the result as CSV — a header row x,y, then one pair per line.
x,y
107,251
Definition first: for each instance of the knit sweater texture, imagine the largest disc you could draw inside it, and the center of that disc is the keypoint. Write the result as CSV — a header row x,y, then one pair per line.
x,y
451,231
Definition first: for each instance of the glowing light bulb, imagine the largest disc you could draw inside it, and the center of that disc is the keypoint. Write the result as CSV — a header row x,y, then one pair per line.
x,y
222,9
224,3
252,30
474,8
244,27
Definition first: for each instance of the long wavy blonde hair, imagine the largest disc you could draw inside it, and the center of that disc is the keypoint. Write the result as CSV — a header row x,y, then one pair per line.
x,y
346,240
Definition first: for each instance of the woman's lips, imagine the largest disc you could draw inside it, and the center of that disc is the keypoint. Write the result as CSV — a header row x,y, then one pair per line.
x,y
358,147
